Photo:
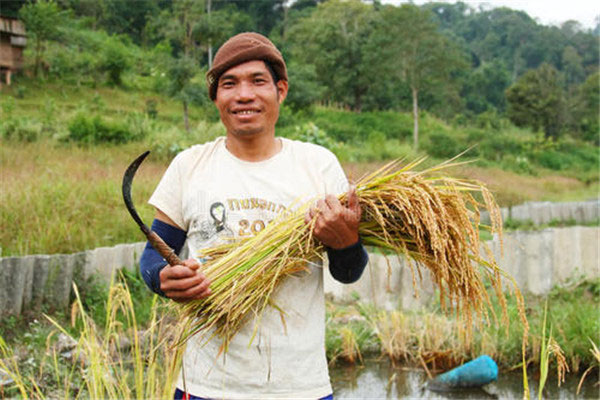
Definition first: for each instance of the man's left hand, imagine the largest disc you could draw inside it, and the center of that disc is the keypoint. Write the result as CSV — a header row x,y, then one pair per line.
x,y
337,224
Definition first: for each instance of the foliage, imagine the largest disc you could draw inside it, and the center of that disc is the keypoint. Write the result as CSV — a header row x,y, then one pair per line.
x,y
114,60
536,100
305,90
414,48
340,33
93,129
42,20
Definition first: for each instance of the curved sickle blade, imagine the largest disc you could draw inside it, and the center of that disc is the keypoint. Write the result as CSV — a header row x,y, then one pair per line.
x,y
160,246
126,188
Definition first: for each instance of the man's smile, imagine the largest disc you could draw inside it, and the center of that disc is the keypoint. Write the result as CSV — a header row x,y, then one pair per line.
x,y
245,112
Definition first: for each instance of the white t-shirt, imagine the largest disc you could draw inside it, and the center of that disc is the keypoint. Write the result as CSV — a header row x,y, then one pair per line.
x,y
213,196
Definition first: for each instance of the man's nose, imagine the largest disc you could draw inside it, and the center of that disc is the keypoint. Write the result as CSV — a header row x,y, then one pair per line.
x,y
245,92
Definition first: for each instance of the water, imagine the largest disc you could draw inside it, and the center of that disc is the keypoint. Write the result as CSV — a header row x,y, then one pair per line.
x,y
380,380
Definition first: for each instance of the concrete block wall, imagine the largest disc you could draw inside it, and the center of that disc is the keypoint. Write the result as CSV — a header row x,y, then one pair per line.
x,y
30,282
537,260
544,212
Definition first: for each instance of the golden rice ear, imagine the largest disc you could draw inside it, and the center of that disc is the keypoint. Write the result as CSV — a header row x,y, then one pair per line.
x,y
431,219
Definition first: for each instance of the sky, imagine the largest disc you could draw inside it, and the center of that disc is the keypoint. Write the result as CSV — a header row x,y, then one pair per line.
x,y
547,12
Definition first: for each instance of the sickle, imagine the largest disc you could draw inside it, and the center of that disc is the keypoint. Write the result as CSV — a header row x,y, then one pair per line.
x,y
155,240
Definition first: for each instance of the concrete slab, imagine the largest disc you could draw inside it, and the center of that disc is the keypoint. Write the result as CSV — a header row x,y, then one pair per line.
x,y
27,264
59,281
590,251
538,261
40,277
512,261
520,212
566,254
540,212
11,298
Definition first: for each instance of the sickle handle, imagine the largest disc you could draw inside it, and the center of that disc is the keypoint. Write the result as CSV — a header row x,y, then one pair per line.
x,y
163,248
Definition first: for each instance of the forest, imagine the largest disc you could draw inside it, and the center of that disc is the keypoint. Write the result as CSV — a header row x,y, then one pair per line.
x,y
459,63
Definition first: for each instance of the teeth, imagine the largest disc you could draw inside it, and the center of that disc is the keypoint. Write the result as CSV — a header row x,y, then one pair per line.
x,y
246,112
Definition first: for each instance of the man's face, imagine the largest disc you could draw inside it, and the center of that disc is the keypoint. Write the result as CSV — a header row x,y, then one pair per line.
x,y
248,99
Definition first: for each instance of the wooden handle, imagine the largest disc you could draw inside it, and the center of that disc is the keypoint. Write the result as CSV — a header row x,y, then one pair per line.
x,y
163,249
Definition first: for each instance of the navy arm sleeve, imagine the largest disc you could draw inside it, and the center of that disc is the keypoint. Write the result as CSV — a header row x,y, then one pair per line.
x,y
347,265
152,262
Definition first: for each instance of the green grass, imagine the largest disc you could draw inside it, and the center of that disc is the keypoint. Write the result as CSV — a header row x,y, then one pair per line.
x,y
572,312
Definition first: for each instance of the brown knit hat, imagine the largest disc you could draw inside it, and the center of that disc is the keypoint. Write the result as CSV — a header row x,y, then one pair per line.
x,y
244,47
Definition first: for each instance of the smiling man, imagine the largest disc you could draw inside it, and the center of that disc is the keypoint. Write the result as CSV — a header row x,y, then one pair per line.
x,y
230,189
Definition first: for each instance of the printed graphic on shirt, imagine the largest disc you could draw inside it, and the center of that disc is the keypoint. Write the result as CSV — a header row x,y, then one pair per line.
x,y
231,219
205,232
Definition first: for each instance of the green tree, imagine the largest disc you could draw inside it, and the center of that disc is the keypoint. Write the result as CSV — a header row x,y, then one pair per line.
x,y
483,87
114,60
336,39
585,111
191,30
537,100
572,66
42,21
413,47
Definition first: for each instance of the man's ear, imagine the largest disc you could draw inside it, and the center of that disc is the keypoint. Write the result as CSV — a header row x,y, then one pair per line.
x,y
282,89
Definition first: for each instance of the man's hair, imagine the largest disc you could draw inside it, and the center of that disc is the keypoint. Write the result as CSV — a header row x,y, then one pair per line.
x,y
242,48
271,71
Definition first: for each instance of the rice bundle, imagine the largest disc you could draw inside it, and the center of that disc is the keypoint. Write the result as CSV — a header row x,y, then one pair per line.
x,y
432,220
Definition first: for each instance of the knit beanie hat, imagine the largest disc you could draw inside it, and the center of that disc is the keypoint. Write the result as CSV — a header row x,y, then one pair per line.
x,y
239,49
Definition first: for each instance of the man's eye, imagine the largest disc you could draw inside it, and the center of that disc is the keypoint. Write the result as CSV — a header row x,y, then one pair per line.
x,y
227,84
260,80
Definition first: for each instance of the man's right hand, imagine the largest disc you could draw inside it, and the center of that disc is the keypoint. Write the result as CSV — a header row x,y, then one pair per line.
x,y
184,282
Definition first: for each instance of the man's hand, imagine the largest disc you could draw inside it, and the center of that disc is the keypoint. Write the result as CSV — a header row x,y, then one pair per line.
x,y
336,225
184,282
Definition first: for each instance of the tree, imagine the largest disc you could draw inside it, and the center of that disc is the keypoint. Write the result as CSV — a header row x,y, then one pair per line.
x,y
413,47
484,87
42,21
114,60
181,72
191,30
336,39
585,118
537,100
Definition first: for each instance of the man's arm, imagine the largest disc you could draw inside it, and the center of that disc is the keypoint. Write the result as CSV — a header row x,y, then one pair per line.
x,y
337,228
178,282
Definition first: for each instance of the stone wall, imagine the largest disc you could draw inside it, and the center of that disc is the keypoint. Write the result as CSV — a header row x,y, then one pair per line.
x,y
538,260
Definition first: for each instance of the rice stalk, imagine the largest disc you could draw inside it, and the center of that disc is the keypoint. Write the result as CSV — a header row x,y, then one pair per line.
x,y
429,218
596,353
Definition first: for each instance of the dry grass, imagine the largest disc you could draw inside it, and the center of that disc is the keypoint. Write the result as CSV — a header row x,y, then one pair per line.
x,y
432,219
116,361
58,199
596,353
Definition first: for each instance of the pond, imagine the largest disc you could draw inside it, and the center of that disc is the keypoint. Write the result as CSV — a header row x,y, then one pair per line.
x,y
380,380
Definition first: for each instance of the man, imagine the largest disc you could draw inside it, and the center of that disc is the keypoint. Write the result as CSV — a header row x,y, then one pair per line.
x,y
235,186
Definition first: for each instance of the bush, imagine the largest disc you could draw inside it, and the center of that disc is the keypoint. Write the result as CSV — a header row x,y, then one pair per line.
x,y
21,129
166,144
115,60
443,145
93,129
311,133
355,127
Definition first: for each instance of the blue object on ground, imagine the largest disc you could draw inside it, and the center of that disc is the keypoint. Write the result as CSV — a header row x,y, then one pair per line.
x,y
475,373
